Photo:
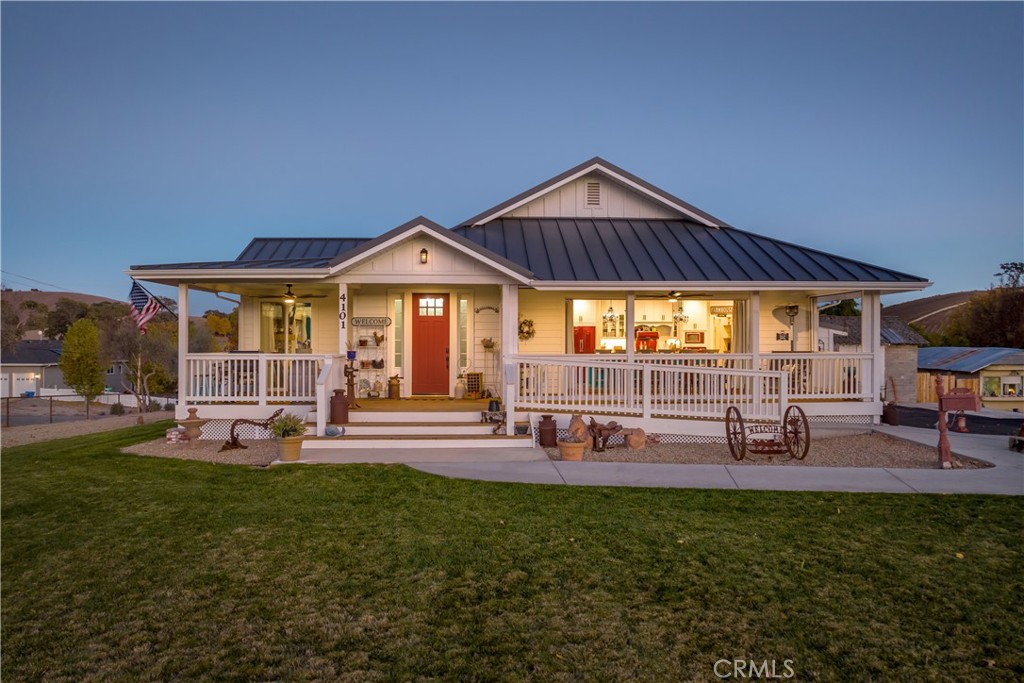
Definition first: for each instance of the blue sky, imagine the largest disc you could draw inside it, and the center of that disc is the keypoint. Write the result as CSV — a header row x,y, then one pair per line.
x,y
153,133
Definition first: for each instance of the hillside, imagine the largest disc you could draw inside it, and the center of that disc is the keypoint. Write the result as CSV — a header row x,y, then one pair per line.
x,y
931,313
50,299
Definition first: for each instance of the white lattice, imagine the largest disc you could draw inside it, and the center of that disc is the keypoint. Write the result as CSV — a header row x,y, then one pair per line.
x,y
220,430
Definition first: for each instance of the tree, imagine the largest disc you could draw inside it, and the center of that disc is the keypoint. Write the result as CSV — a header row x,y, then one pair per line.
x,y
149,359
64,314
846,307
11,328
994,317
80,359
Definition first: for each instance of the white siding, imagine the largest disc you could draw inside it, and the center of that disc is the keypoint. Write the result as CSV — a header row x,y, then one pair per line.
x,y
770,324
547,311
404,259
325,321
617,201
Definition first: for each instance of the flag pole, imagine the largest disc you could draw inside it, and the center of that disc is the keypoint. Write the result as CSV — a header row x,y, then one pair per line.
x,y
155,298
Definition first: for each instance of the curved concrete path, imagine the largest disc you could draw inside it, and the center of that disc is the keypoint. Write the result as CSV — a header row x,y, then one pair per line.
x,y
533,467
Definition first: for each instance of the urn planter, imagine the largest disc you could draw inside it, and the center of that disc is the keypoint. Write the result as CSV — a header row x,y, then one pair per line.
x,y
571,450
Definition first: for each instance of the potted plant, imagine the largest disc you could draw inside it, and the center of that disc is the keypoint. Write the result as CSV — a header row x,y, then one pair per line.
x,y
288,430
571,448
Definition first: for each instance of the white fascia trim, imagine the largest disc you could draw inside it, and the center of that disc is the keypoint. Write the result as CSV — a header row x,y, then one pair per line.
x,y
598,285
282,274
423,230
598,167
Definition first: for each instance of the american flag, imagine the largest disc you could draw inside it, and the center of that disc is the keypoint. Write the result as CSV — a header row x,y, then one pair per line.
x,y
143,306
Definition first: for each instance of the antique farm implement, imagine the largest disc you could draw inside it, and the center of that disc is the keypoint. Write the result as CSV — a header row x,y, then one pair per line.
x,y
792,436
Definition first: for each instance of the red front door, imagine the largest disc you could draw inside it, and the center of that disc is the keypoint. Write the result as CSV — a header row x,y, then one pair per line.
x,y
430,344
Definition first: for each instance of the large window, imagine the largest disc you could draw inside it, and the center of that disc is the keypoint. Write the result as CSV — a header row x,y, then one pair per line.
x,y
463,334
286,328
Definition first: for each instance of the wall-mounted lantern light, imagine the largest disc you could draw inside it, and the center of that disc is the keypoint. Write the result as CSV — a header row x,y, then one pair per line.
x,y
423,255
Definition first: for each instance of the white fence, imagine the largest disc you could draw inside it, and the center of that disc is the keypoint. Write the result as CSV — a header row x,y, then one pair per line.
x,y
648,389
127,400
253,378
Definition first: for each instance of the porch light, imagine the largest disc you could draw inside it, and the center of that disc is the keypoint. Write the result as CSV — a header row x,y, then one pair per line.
x,y
423,255
610,315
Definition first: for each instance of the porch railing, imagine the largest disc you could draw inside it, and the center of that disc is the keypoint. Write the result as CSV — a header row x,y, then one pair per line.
x,y
645,389
252,378
823,376
734,361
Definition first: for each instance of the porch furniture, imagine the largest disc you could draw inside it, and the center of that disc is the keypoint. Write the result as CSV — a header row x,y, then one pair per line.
x,y
233,442
792,436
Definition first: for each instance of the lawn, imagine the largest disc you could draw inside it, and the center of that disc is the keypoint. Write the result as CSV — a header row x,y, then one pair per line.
x,y
119,567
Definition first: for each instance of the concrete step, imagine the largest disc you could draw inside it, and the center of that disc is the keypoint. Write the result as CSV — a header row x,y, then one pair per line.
x,y
414,442
419,428
395,416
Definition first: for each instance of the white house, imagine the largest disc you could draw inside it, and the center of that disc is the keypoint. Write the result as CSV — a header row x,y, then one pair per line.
x,y
593,292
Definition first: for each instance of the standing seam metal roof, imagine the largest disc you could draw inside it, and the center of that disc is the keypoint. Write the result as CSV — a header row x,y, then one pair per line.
x,y
573,249
967,358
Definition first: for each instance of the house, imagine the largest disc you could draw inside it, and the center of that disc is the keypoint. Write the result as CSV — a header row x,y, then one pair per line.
x,y
33,368
899,346
994,373
594,291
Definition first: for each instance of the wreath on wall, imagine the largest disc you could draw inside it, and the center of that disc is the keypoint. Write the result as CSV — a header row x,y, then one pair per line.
x,y
526,330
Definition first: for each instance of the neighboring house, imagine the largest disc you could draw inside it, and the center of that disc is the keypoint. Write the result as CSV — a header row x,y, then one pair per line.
x,y
993,372
32,368
592,292
899,345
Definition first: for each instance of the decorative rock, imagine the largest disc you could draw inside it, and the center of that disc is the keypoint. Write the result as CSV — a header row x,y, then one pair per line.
x,y
578,429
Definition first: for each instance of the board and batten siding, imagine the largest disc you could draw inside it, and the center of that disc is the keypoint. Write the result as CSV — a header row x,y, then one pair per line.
x,y
547,311
404,259
486,323
570,201
325,324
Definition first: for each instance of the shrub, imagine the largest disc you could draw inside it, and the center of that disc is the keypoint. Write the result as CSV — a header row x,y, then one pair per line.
x,y
153,405
168,406
287,425
117,409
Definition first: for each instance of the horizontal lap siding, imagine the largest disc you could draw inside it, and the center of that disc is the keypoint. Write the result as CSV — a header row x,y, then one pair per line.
x,y
547,311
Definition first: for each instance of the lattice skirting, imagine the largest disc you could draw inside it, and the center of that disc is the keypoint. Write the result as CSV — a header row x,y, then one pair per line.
x,y
220,430
841,419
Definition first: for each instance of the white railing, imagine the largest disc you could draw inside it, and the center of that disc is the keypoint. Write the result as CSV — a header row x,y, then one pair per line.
x,y
567,383
254,378
824,376
331,377
735,361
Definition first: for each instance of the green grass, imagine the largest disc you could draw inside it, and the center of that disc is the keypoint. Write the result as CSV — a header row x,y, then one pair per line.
x,y
117,567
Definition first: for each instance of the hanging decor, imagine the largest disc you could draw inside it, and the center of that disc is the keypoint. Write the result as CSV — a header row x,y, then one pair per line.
x,y
526,330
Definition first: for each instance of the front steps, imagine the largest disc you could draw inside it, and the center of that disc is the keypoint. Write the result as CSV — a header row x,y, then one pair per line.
x,y
452,429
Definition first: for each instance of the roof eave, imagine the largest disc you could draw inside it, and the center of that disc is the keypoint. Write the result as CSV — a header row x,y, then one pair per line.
x,y
731,286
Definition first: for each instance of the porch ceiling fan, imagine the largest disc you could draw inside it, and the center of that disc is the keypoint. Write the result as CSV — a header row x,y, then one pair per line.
x,y
289,296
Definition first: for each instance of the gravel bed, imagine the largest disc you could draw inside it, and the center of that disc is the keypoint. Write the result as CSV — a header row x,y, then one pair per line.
x,y
258,452
861,450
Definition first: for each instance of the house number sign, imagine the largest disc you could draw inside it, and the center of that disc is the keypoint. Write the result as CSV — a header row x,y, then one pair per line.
x,y
343,311
371,322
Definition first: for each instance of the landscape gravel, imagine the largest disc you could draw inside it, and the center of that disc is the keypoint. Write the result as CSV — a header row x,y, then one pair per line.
x,y
860,450
18,436
257,452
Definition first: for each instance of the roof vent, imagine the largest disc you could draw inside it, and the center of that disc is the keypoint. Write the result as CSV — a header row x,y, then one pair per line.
x,y
593,193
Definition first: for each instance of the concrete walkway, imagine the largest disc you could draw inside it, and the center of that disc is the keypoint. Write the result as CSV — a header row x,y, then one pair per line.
x,y
533,467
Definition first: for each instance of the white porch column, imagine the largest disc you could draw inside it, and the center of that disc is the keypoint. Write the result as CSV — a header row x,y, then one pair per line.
x,y
754,329
183,372
342,318
509,347
871,342
630,332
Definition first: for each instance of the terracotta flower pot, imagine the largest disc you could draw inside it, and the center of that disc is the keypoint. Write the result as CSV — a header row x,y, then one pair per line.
x,y
289,448
569,450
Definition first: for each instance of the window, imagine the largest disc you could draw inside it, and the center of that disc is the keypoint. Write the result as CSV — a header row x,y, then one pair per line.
x,y
281,334
463,333
431,306
399,326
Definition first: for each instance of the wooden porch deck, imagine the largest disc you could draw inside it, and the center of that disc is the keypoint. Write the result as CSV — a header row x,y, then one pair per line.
x,y
425,404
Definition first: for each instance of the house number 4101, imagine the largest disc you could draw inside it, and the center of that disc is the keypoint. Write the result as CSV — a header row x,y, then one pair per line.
x,y
343,313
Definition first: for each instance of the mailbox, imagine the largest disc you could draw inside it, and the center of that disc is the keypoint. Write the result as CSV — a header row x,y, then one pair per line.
x,y
959,399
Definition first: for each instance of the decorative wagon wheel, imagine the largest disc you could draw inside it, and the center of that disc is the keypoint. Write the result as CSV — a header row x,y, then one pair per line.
x,y
797,432
735,432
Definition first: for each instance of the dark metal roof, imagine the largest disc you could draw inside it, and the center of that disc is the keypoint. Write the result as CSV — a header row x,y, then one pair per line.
x,y
283,248
894,330
576,169
967,358
633,250
34,352
239,265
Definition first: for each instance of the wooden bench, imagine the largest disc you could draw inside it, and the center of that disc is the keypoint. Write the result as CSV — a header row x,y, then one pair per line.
x,y
233,442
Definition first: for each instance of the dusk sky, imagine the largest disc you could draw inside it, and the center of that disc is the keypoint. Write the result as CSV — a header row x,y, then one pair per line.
x,y
155,133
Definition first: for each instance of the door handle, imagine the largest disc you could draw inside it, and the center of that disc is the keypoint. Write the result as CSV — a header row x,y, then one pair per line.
x,y
446,358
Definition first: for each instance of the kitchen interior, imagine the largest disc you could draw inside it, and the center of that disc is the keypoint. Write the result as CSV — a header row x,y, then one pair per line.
x,y
661,325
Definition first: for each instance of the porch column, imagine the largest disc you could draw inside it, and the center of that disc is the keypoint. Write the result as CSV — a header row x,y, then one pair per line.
x,y
183,371
871,342
509,347
342,318
630,332
754,329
